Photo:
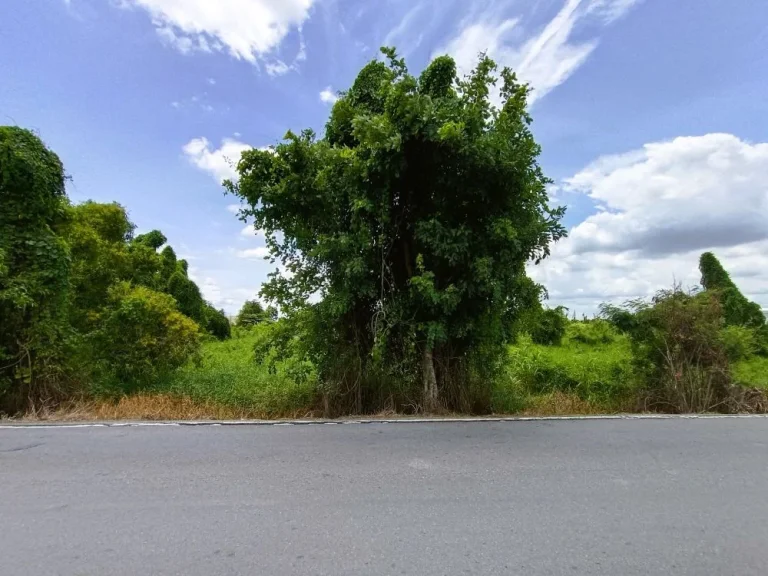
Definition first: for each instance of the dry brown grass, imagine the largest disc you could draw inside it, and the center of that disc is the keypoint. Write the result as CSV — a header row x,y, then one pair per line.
x,y
159,407
150,407
561,404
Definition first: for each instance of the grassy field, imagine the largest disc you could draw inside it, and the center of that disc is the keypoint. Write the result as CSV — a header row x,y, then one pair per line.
x,y
583,375
227,375
574,378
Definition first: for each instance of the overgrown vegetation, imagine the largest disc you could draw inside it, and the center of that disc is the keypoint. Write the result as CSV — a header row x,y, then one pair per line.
x,y
412,218
85,307
403,235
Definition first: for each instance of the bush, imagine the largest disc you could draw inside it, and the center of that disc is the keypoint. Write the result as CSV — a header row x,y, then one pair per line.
x,y
620,318
141,339
549,327
591,332
678,348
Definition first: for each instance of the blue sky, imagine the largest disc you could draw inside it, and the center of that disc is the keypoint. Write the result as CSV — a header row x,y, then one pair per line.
x,y
652,115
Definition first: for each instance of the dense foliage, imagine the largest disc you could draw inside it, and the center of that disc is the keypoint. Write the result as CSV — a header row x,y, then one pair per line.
x,y
34,269
737,310
412,219
84,304
141,338
253,313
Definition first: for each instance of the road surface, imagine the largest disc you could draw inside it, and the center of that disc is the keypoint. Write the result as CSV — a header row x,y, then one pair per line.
x,y
613,497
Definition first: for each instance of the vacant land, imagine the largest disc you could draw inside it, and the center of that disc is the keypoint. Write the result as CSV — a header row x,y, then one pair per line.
x,y
226,382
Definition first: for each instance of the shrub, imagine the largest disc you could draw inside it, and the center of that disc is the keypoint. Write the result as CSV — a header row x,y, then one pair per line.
x,y
141,339
678,348
620,318
591,332
549,327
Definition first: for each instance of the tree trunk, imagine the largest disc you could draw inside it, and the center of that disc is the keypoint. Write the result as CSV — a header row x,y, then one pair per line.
x,y
429,380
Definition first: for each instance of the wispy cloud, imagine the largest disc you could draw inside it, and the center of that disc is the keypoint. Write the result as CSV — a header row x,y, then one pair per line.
x,y
545,59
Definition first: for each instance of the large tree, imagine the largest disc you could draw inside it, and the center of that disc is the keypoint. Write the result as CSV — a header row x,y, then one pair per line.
x,y
34,269
413,220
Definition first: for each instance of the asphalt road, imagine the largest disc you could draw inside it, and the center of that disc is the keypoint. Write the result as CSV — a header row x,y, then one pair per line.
x,y
568,497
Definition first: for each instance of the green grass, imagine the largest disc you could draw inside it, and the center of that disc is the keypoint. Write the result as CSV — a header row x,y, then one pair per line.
x,y
752,372
227,374
599,374
575,377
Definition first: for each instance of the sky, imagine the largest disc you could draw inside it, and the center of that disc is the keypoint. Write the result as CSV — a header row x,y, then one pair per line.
x,y
652,116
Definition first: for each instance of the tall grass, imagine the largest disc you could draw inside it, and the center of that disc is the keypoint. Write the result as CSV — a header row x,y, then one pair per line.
x,y
227,374
751,372
600,375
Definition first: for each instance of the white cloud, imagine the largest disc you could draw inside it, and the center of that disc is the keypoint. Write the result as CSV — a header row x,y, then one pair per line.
x,y
246,29
278,68
221,163
545,59
408,35
250,231
328,96
658,209
254,253
233,208
211,81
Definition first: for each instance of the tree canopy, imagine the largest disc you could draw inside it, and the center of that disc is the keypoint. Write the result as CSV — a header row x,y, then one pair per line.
x,y
413,220
253,312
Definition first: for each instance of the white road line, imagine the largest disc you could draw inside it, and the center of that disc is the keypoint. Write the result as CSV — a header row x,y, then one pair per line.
x,y
179,423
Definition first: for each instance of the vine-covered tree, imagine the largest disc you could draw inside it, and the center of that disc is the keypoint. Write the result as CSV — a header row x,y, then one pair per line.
x,y
413,220
34,269
737,309
216,323
187,296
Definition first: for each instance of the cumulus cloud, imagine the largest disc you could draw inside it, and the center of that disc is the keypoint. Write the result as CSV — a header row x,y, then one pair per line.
x,y
246,29
658,209
328,96
545,59
221,163
233,208
254,253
